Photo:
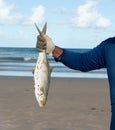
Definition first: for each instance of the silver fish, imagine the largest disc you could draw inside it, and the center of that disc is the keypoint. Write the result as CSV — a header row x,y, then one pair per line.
x,y
42,74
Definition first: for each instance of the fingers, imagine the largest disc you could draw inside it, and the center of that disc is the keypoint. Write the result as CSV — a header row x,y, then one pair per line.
x,y
40,46
40,38
41,43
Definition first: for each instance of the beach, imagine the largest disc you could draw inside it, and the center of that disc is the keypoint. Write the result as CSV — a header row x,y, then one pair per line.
x,y
73,104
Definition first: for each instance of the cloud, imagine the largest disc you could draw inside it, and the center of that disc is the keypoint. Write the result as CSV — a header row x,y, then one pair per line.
x,y
88,16
5,12
37,15
7,15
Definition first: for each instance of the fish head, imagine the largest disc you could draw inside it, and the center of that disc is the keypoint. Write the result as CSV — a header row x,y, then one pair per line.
x,y
42,100
41,95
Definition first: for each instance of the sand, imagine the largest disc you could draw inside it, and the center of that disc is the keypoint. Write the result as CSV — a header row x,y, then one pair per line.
x,y
73,104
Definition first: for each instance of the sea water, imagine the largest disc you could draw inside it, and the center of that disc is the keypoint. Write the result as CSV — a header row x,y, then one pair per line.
x,y
20,62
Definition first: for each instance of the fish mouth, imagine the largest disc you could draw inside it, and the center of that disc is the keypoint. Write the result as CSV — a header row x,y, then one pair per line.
x,y
42,100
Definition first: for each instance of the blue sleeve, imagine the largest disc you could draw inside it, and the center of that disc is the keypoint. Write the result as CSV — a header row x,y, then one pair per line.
x,y
87,61
110,63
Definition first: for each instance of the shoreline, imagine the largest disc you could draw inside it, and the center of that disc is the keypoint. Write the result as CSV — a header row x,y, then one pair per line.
x,y
73,104
57,77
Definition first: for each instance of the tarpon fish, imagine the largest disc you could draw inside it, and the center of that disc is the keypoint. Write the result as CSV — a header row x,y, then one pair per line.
x,y
42,73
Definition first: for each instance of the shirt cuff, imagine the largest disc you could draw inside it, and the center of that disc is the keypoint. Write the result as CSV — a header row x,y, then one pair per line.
x,y
58,59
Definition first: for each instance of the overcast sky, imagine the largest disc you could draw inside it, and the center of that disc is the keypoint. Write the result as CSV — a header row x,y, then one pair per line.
x,y
71,23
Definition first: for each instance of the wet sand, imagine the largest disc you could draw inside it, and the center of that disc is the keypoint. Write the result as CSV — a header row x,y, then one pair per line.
x,y
73,104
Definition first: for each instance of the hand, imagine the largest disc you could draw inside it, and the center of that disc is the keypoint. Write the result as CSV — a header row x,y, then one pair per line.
x,y
45,43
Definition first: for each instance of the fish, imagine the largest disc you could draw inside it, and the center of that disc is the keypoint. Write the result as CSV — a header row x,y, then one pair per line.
x,y
42,73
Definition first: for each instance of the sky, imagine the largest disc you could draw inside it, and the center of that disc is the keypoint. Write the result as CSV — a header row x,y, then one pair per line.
x,y
70,23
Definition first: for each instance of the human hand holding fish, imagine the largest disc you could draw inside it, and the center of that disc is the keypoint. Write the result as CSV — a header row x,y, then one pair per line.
x,y
44,42
42,70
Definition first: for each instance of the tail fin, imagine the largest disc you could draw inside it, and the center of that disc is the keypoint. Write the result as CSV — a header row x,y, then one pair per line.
x,y
43,30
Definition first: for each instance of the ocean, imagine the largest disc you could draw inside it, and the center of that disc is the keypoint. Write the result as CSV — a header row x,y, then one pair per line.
x,y
20,62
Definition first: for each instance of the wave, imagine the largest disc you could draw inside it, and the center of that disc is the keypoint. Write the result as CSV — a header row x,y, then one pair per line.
x,y
20,61
17,59
28,59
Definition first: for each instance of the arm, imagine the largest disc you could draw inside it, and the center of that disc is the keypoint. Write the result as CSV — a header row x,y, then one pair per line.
x,y
68,58
57,52
87,61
